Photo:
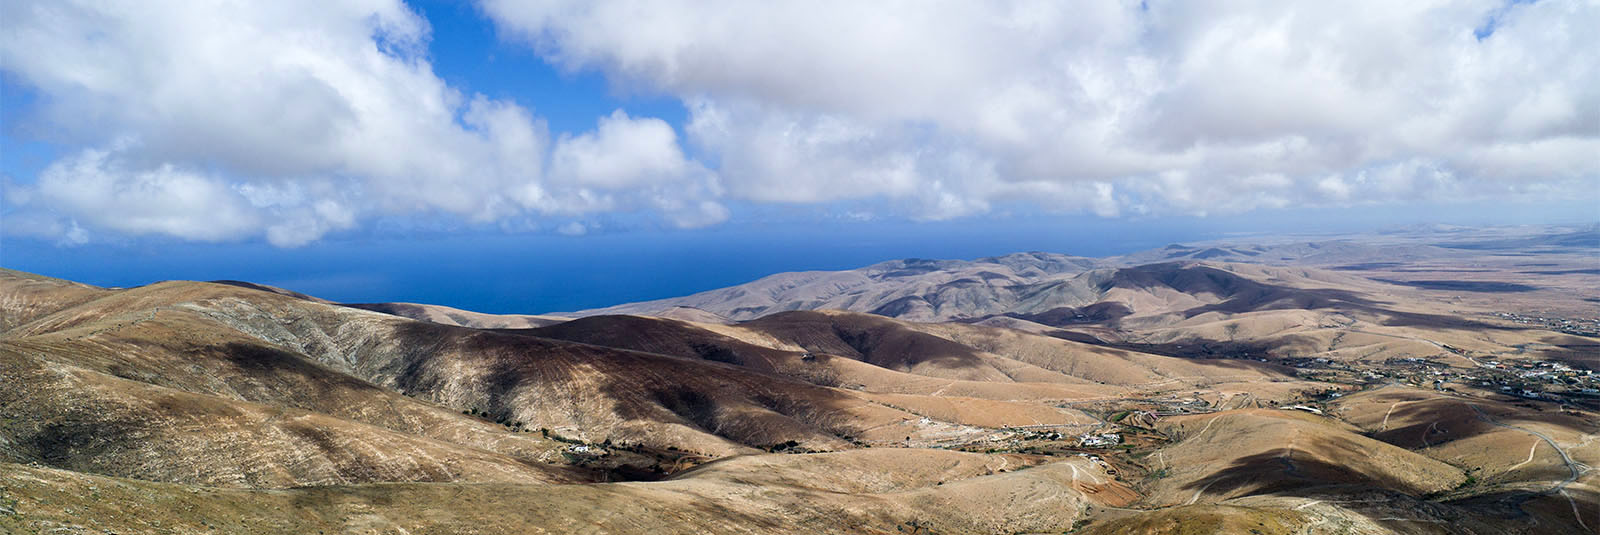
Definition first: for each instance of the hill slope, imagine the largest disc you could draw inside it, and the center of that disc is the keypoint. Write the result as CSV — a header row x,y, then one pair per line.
x,y
1156,407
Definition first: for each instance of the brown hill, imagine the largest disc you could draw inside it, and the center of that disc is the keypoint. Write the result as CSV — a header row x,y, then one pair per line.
x,y
880,342
1260,451
587,391
867,491
72,418
1064,294
965,401
28,297
1501,441
461,318
891,356
240,408
667,337
1206,302
914,289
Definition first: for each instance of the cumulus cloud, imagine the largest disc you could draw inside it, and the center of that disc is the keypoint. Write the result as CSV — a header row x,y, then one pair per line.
x,y
102,190
640,155
622,151
289,120
1108,107
164,200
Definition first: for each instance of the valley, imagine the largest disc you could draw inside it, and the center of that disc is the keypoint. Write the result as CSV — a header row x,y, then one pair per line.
x,y
1418,381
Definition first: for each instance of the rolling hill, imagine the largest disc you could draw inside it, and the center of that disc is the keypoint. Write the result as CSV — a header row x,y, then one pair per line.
x,y
1029,393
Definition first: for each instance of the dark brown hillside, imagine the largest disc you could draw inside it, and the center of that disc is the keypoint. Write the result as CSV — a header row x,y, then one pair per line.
x,y
767,346
666,337
1200,397
999,356
587,391
601,393
878,341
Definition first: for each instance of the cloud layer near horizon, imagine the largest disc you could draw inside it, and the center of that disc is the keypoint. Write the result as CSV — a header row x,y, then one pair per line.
x,y
290,121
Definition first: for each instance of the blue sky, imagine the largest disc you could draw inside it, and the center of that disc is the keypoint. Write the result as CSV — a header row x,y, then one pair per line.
x,y
534,156
467,53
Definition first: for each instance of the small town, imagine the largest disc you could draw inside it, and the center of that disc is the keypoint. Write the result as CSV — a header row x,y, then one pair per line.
x,y
1575,326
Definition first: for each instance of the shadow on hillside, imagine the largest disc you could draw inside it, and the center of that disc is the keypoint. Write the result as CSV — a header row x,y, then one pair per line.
x,y
593,388
1367,266
1240,294
874,340
1440,421
1463,286
1572,349
1555,514
661,336
1399,504
434,356
677,339
1292,471
1278,298
1075,336
1107,313
276,369
1223,352
1565,272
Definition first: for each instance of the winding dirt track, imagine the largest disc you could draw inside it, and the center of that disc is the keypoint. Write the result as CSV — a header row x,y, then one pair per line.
x,y
1531,449
1572,467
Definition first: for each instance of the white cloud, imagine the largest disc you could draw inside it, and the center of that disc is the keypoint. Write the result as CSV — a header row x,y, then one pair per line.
x,y
622,152
639,156
289,119
770,155
100,189
689,213
573,228
105,193
1160,106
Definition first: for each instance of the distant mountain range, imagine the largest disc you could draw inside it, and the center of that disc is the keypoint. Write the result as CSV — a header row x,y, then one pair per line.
x,y
1171,389
1038,284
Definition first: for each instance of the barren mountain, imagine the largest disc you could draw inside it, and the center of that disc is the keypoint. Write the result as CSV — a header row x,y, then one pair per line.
x,y
589,391
1200,394
915,289
1559,262
1059,298
460,318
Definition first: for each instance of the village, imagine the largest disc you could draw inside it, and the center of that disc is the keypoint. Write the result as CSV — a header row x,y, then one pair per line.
x,y
1574,326
1544,380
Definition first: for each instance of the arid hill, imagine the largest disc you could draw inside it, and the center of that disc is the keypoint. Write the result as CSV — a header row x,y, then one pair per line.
x,y
457,317
1545,267
587,391
915,289
1029,393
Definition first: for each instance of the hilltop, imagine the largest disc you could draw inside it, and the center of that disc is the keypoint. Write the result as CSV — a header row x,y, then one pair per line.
x,y
1024,393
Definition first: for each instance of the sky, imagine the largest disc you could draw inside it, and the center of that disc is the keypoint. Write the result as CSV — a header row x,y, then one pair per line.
x,y
514,156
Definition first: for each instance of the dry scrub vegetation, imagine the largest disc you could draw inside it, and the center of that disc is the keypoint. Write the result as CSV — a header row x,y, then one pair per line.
x,y
1036,394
